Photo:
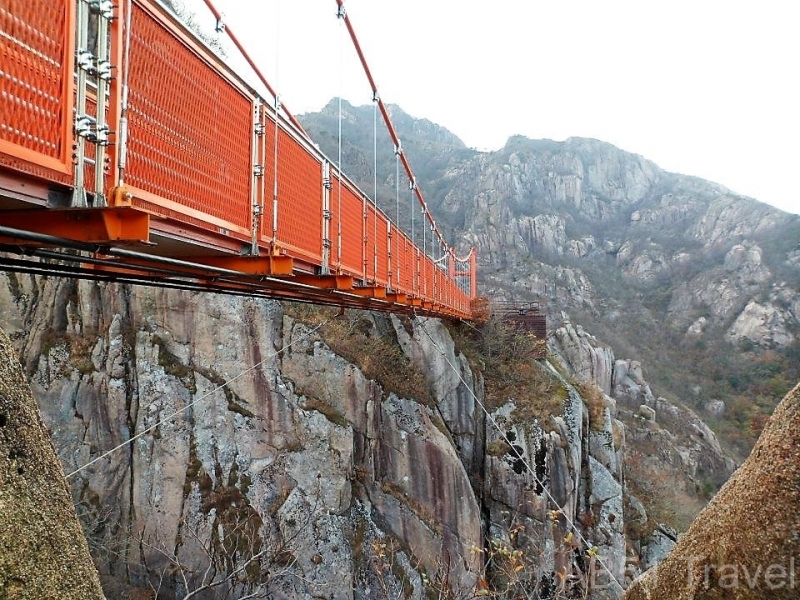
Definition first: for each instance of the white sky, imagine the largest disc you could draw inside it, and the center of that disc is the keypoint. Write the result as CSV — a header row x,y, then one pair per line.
x,y
702,87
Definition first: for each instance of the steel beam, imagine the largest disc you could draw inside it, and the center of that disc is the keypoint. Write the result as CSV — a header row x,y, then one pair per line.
x,y
87,225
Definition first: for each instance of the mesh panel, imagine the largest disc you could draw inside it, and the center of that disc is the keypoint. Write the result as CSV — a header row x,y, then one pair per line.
x,y
406,283
34,58
352,229
189,130
299,195
383,250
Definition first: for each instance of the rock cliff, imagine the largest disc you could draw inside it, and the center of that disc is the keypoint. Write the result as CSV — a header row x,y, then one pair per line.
x,y
214,442
682,274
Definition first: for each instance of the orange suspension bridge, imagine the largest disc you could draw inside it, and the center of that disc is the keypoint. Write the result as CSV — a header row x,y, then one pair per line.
x,y
129,151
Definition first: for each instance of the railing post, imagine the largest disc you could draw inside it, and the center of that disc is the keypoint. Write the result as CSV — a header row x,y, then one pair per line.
x,y
389,253
91,63
105,11
257,156
275,176
82,124
364,237
326,217
473,269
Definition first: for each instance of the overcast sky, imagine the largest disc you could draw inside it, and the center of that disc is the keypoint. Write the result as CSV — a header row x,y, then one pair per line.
x,y
702,87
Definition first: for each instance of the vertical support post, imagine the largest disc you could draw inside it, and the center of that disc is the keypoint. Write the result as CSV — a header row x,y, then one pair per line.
x,y
326,217
119,100
424,235
375,244
397,151
389,254
105,11
435,287
375,100
419,285
412,185
275,176
83,63
339,220
256,161
364,237
473,269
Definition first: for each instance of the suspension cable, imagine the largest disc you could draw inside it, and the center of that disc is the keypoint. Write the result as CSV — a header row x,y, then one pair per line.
x,y
256,70
340,16
387,120
397,186
203,397
397,212
276,132
539,482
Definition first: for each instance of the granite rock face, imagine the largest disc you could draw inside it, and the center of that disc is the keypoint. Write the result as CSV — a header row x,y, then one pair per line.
x,y
218,431
745,543
43,553
251,444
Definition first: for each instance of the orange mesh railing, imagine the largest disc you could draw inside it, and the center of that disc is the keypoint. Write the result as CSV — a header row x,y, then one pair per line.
x,y
299,196
192,150
189,131
36,63
380,232
352,232
405,260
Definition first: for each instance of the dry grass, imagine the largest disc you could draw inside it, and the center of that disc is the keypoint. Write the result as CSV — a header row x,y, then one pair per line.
x,y
662,491
595,403
507,358
353,336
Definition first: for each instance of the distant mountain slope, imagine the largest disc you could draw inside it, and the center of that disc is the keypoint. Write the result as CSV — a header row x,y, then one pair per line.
x,y
698,282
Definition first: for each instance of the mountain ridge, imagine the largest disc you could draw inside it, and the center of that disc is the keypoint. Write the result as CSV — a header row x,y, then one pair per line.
x,y
677,271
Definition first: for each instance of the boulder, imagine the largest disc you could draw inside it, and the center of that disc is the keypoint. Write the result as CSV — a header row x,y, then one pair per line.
x,y
647,413
43,553
746,543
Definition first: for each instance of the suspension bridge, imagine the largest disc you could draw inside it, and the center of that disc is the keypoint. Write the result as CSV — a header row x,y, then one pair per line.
x,y
130,151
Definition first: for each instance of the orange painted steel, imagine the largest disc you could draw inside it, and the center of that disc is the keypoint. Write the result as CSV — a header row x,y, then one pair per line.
x,y
299,203
36,72
189,129
203,175
91,225
352,225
